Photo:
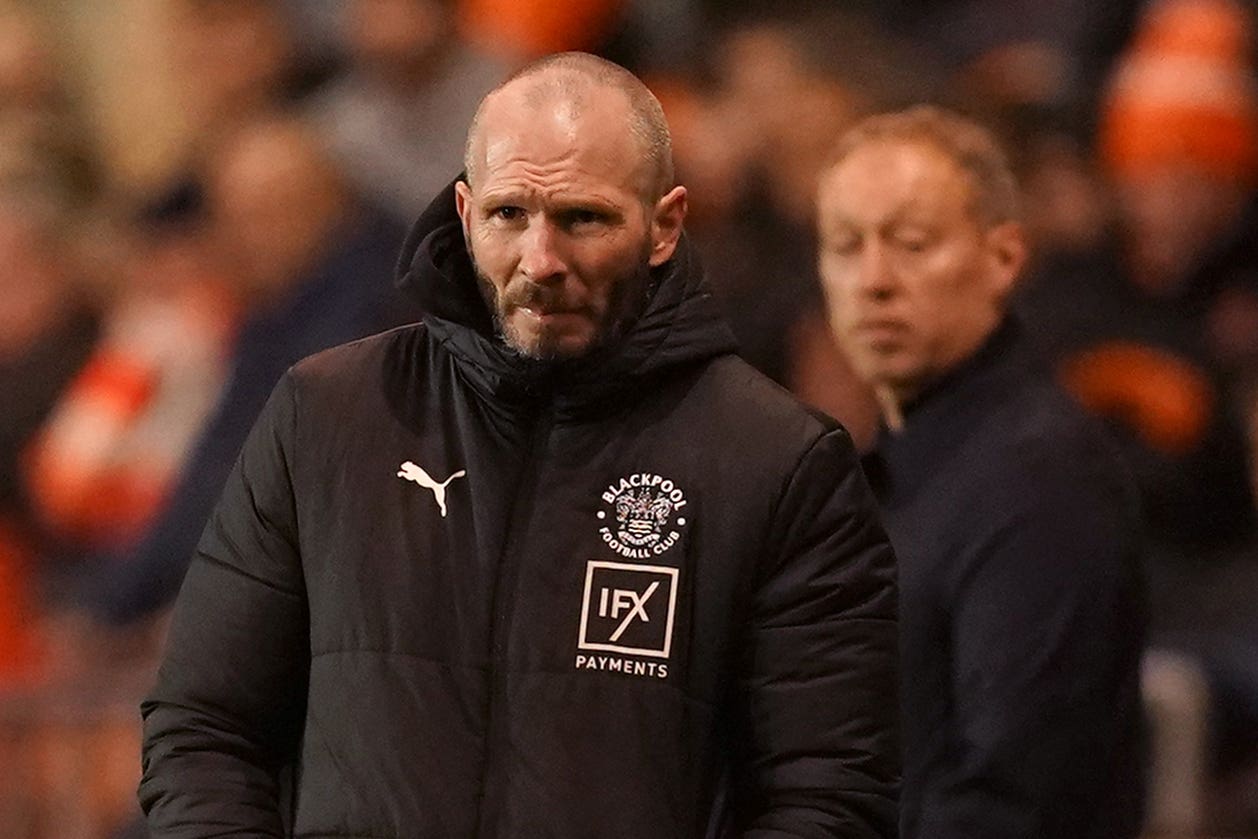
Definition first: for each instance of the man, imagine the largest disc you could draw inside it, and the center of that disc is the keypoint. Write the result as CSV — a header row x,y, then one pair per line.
x,y
553,562
1020,617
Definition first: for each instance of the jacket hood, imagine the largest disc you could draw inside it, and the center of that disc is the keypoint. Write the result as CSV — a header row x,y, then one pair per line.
x,y
680,323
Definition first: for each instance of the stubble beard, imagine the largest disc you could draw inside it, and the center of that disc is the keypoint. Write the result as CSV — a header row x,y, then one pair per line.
x,y
626,300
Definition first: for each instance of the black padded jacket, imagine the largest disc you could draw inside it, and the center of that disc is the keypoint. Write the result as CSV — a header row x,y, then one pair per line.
x,y
447,595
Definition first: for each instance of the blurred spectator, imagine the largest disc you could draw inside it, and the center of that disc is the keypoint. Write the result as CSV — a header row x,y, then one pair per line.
x,y
313,267
1129,324
1180,139
1179,136
758,140
104,461
790,90
395,119
1138,363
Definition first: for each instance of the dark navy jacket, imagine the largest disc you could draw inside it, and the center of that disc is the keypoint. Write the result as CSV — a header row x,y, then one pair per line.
x,y
1021,609
641,595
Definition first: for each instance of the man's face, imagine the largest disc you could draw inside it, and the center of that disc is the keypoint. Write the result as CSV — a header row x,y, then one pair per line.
x,y
914,282
557,225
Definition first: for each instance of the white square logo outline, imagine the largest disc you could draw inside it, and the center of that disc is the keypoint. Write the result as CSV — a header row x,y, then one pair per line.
x,y
590,566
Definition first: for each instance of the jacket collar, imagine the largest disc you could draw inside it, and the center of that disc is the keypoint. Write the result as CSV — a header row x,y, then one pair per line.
x,y
679,326
952,407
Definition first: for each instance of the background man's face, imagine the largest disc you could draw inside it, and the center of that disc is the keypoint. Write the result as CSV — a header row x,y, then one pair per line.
x,y
913,281
556,224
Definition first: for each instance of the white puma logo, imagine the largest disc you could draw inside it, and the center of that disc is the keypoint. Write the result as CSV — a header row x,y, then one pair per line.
x,y
412,472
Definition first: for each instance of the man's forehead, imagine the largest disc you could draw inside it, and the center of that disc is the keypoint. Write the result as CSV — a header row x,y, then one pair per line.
x,y
911,174
561,99
510,122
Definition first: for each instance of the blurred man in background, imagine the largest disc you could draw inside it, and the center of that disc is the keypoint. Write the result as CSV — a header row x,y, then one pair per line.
x,y
1016,530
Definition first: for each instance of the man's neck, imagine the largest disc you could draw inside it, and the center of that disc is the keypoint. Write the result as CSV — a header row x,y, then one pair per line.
x,y
891,405
894,397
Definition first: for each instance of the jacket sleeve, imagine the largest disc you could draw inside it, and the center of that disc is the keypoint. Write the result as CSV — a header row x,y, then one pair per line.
x,y
1047,632
226,712
819,712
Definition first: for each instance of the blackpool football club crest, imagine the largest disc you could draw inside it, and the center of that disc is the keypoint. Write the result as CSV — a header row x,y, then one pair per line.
x,y
642,515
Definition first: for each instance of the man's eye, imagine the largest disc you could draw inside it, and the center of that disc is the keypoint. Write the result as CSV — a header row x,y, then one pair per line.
x,y
575,218
845,246
507,213
912,243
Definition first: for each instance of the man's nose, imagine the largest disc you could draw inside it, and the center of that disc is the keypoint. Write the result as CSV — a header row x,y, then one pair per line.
x,y
540,259
875,274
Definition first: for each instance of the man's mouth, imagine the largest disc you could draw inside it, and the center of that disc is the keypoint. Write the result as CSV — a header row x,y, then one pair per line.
x,y
549,311
880,332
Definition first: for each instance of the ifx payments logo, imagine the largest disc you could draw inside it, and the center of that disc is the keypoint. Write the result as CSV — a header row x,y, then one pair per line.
x,y
627,609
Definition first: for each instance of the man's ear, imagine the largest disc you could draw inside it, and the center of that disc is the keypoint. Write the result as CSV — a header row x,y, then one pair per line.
x,y
463,205
1007,255
666,224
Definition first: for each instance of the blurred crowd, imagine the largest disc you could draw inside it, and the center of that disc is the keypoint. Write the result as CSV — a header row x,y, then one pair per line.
x,y
194,194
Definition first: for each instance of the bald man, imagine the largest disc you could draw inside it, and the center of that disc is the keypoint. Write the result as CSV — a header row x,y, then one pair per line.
x,y
553,562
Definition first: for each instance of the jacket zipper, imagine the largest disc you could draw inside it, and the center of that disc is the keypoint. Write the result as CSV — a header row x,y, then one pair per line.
x,y
501,615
